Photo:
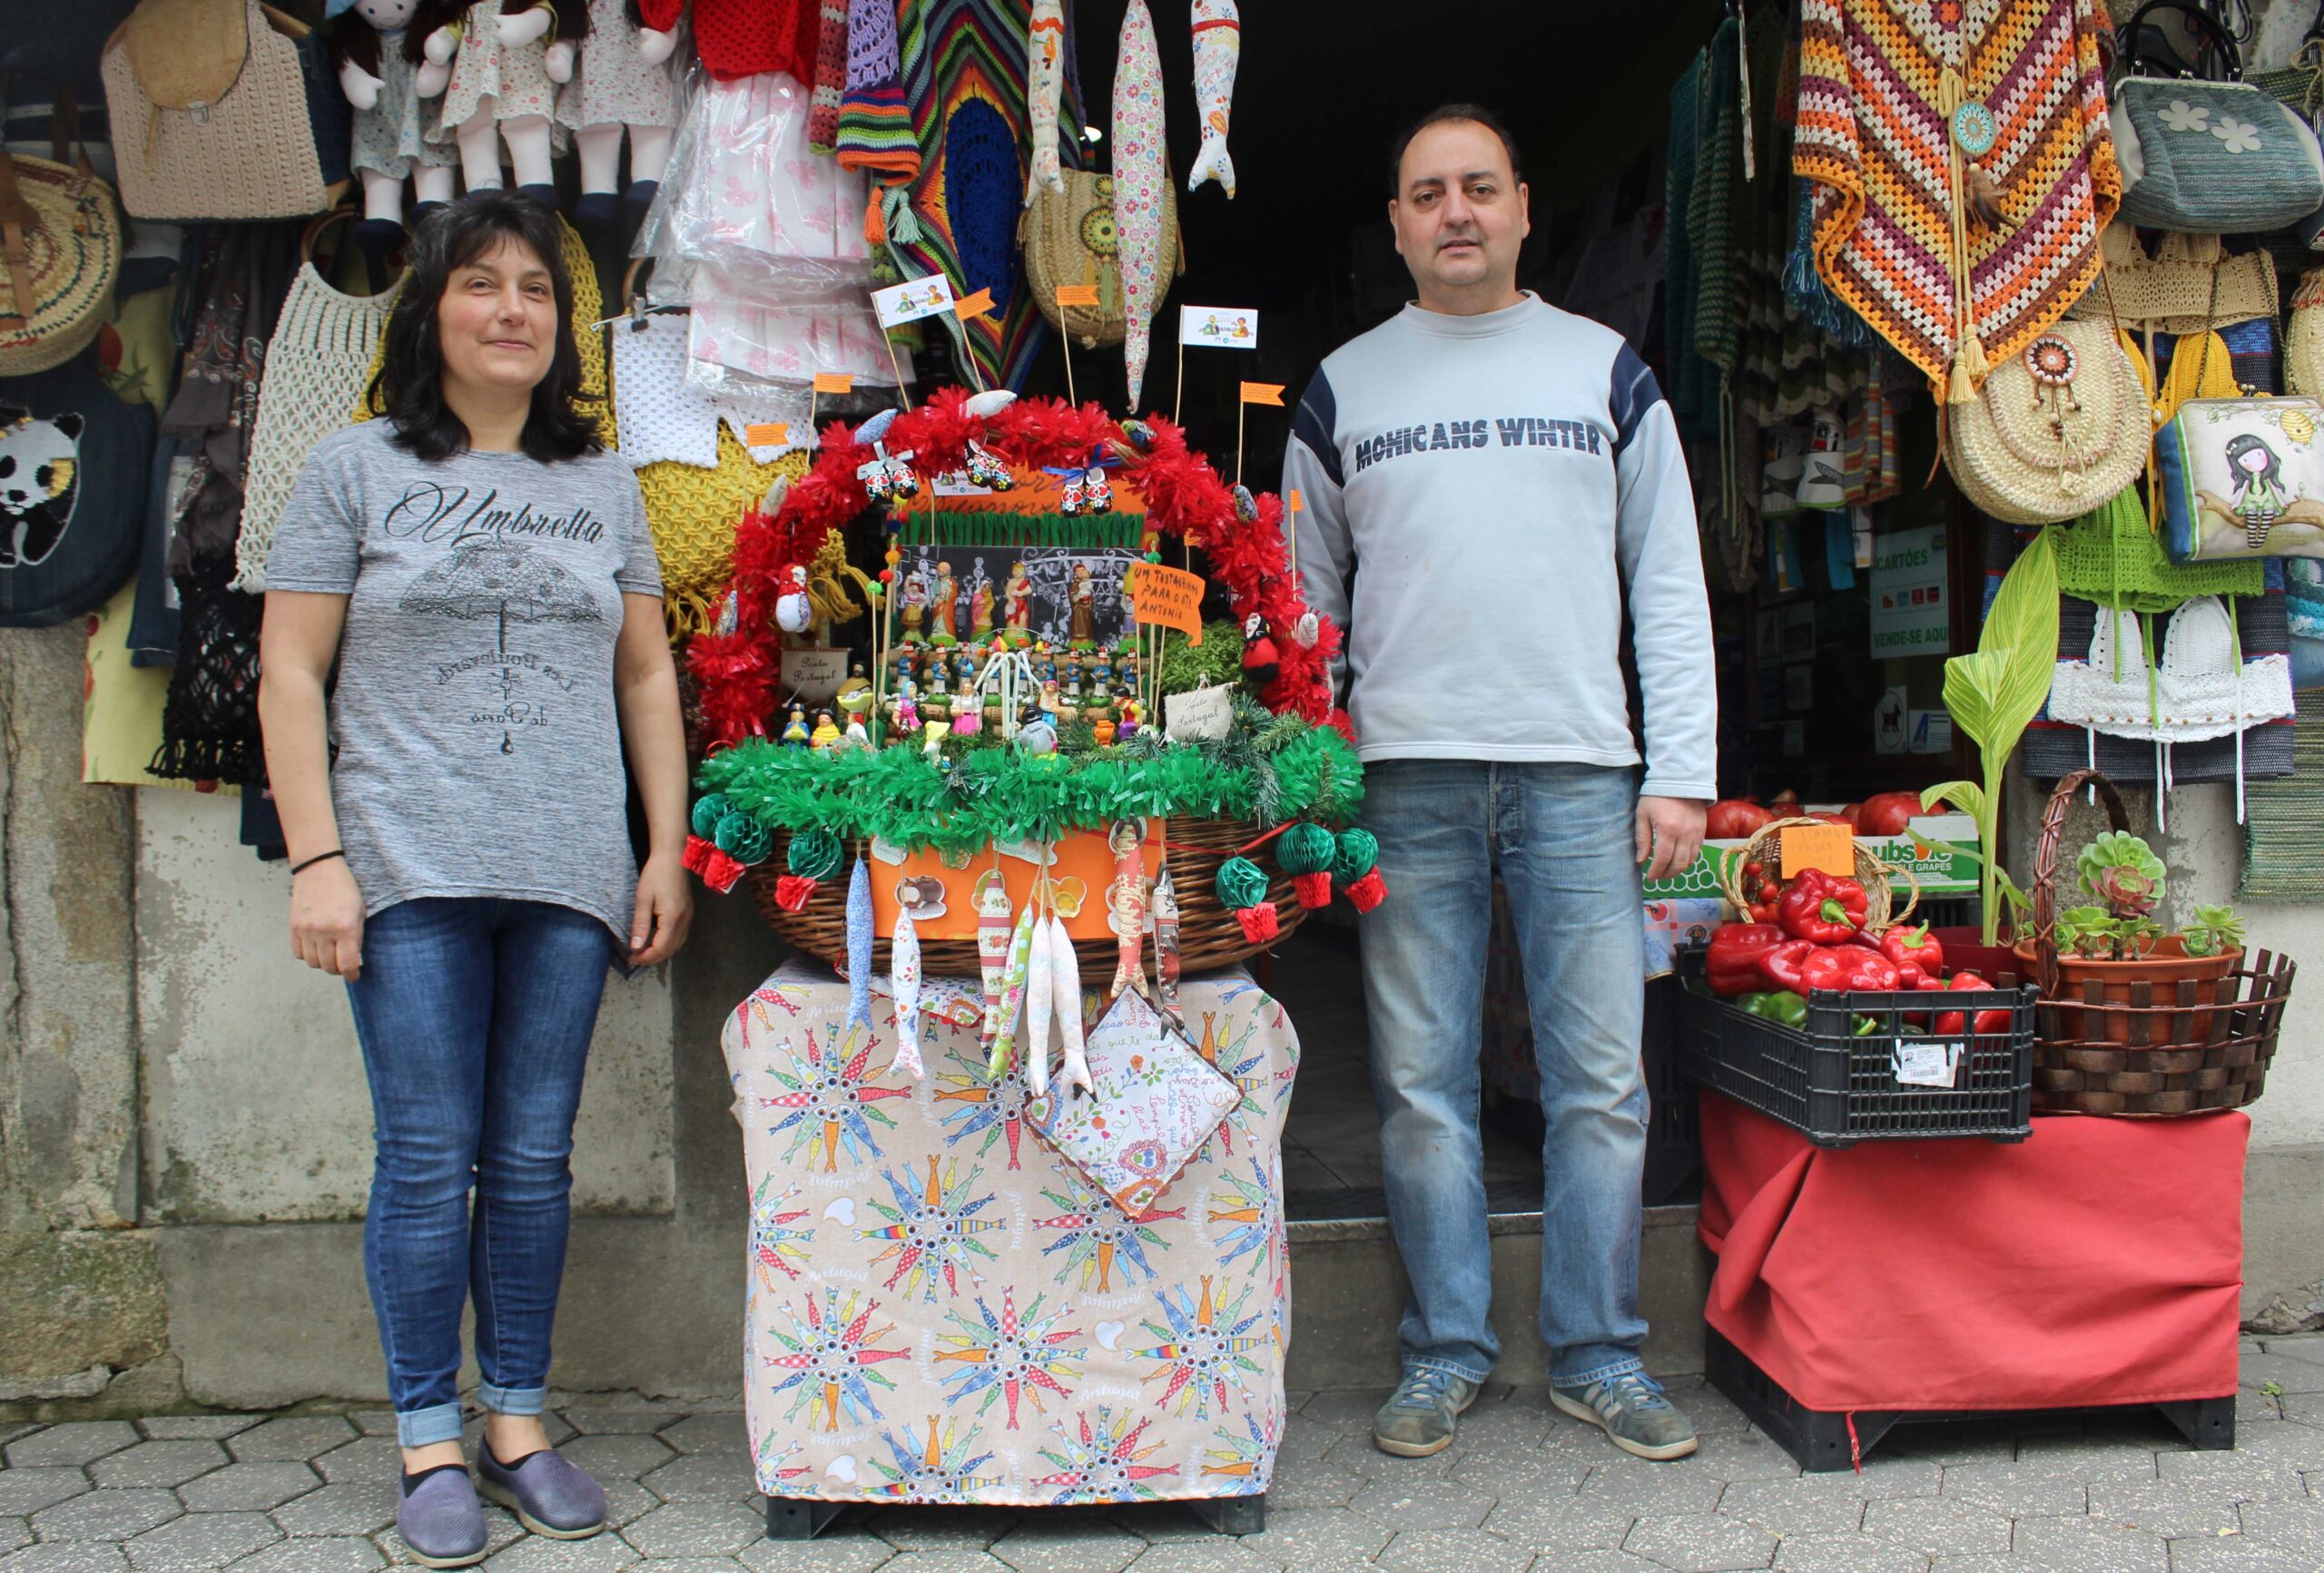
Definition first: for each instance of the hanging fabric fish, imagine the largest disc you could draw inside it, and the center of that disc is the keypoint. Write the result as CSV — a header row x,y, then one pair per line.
x,y
1012,993
1141,170
992,946
859,947
1040,997
1065,1000
1044,86
1219,44
1126,906
1165,945
903,978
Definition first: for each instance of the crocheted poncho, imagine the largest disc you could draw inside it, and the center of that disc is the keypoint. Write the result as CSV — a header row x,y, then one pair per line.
x,y
1876,134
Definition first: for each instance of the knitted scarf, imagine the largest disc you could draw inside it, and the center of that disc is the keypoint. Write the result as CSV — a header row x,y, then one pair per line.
x,y
1895,168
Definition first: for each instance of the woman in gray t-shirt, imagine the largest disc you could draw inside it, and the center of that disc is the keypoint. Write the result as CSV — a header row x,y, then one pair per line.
x,y
478,568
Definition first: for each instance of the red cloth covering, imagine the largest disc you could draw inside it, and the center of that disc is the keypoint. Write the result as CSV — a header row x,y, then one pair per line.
x,y
2098,1263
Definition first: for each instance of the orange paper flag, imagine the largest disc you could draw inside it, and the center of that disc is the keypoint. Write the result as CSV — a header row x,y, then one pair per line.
x,y
834,382
1263,393
1168,597
766,434
1077,294
977,305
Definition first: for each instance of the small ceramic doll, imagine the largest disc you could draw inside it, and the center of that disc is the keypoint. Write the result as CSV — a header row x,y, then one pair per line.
x,y
939,678
503,87
1018,596
1132,713
944,608
794,734
1073,677
826,734
907,707
1102,677
1083,627
932,734
377,47
965,665
980,612
915,605
614,85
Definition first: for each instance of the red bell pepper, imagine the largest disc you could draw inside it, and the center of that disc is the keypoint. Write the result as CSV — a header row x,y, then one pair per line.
x,y
1951,1023
1780,967
1732,966
1912,947
1820,908
1847,968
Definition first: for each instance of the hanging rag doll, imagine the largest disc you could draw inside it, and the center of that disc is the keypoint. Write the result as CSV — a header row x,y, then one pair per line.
x,y
375,47
1219,44
503,82
623,79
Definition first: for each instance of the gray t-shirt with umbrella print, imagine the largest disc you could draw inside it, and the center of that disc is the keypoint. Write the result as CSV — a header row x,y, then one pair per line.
x,y
477,751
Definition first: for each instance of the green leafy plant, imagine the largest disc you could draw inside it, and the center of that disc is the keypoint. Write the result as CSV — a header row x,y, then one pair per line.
x,y
2122,870
1994,693
2087,932
2213,931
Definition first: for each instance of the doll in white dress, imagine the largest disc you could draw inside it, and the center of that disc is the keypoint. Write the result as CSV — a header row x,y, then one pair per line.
x,y
504,68
622,80
375,47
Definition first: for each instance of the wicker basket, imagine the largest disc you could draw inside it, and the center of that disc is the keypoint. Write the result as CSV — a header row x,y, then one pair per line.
x,y
2128,1044
1208,936
1875,876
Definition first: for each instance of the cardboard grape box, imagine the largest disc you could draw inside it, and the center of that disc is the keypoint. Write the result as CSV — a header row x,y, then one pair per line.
x,y
1926,849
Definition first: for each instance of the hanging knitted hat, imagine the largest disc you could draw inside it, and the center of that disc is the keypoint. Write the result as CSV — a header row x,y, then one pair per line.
x,y
1355,863
1306,851
815,857
1241,888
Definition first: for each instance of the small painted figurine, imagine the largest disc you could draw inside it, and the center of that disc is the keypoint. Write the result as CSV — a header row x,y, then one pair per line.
x,y
1017,599
1084,596
856,683
934,732
855,736
939,678
1101,676
915,605
1048,700
1096,494
794,734
1132,713
826,735
906,705
1072,681
965,664
980,612
944,608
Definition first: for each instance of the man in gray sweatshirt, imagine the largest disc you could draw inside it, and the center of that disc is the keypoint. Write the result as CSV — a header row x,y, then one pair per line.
x,y
1488,482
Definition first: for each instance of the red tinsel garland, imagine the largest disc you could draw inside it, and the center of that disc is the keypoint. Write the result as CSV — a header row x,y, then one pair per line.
x,y
737,665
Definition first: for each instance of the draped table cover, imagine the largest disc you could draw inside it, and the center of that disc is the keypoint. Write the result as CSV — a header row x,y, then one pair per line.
x,y
941,1310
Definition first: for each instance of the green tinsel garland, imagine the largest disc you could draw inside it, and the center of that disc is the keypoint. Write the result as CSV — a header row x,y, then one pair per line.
x,y
1293,771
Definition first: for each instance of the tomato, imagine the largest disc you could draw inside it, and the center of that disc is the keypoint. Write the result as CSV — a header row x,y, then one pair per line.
x,y
1731,819
1886,813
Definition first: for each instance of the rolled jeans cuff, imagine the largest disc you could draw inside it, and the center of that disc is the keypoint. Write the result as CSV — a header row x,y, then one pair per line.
x,y
512,1400
1600,1373
424,1427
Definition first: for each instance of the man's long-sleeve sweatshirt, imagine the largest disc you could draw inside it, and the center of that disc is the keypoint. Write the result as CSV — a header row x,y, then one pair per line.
x,y
1480,494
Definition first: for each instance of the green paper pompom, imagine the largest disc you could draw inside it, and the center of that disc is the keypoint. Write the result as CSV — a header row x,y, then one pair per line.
x,y
708,809
814,854
1241,883
1306,848
745,839
1358,851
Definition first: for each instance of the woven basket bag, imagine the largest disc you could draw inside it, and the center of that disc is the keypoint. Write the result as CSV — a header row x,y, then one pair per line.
x,y
60,253
210,118
1067,238
2055,430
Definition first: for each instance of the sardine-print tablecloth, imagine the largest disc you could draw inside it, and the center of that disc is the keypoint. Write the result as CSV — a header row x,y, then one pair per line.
x,y
941,1310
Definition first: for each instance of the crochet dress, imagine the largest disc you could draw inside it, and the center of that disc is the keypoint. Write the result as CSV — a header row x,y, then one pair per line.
x,y
612,83
1875,136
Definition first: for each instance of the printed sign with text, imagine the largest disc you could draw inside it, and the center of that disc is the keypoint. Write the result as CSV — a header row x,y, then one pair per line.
x,y
913,300
1218,326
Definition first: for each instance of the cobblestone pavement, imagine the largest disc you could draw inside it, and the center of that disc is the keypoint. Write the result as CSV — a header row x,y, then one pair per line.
x,y
1525,1488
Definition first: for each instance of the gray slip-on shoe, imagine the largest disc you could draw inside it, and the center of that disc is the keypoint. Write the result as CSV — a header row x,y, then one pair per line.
x,y
440,1519
1419,1416
549,1494
1632,1411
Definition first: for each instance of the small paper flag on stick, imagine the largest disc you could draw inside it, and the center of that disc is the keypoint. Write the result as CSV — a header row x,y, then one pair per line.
x,y
839,382
1263,393
766,434
977,305
1069,294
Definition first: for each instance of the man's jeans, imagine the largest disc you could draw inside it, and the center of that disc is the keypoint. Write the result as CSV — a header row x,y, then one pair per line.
x,y
475,1017
1562,838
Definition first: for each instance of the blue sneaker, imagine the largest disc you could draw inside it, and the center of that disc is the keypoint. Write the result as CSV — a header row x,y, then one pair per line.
x,y
549,1495
1632,1411
1418,1419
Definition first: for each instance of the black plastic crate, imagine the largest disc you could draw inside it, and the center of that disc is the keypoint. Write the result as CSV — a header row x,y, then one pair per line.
x,y
1837,1088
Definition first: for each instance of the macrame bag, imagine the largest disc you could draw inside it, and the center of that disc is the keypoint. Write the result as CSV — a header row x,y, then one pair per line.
x,y
2242,477
2055,430
1067,238
2211,157
211,118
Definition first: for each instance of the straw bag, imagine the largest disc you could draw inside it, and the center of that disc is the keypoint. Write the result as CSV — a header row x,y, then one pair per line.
x,y
1067,238
60,253
211,112
2055,430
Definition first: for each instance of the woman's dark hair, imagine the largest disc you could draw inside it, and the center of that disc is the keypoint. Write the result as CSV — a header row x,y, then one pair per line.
x,y
409,388
1477,114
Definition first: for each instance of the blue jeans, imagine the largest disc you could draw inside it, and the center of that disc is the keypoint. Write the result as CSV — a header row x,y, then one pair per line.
x,y
1562,836
475,1017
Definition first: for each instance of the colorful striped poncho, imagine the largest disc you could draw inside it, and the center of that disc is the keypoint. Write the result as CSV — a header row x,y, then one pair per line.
x,y
1877,81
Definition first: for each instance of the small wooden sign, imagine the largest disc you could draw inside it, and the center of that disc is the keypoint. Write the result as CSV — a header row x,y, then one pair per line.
x,y
977,305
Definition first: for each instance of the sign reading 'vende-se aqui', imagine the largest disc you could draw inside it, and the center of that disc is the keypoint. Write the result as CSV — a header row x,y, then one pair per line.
x,y
1910,616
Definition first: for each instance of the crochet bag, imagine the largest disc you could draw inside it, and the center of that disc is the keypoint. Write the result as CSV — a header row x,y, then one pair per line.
x,y
2055,430
1067,238
2187,284
211,112
60,254
2243,477
2304,339
2211,157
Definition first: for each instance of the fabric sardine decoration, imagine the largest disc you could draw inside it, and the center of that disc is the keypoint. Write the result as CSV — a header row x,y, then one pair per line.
x,y
1165,945
903,976
859,947
1141,170
1040,995
1044,87
1065,999
992,947
1014,979
1218,45
1125,908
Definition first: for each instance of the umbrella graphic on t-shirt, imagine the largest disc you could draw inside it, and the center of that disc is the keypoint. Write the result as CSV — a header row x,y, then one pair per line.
x,y
492,578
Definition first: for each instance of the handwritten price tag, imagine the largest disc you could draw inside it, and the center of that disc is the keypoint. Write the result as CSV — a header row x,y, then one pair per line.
x,y
766,434
977,305
1263,393
834,382
1077,294
1830,849
1169,598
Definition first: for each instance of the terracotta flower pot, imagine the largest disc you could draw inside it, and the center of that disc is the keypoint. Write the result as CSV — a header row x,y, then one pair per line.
x,y
2163,969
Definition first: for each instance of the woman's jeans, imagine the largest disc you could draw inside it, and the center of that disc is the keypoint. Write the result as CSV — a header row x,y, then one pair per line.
x,y
1563,837
475,1015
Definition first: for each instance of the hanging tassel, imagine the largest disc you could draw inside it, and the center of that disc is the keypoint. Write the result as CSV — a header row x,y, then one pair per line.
x,y
1969,367
903,979
1065,1000
1040,999
859,945
875,228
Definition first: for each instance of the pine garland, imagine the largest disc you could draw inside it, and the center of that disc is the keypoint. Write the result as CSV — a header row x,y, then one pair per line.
x,y
1289,769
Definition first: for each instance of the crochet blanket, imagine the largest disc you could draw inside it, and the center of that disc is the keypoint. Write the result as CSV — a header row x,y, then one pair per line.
x,y
1873,137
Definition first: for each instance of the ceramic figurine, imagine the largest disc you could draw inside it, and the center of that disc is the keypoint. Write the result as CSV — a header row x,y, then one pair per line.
x,y
939,678
825,736
965,663
907,707
934,732
855,736
1018,598
1096,494
980,612
856,683
792,610
1101,676
1048,700
915,604
1132,713
944,608
794,734
1083,596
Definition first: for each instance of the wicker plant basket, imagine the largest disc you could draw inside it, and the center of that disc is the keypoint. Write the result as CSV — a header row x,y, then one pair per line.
x,y
1875,875
2113,1037
1208,936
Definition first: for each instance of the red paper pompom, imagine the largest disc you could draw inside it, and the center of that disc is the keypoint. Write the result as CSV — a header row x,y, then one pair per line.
x,y
720,871
792,891
1260,922
1369,891
697,854
1315,890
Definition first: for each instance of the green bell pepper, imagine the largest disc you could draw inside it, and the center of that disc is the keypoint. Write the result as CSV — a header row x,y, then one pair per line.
x,y
1781,1006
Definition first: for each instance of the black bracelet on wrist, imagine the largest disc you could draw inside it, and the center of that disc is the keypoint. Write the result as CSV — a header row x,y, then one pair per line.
x,y
318,857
